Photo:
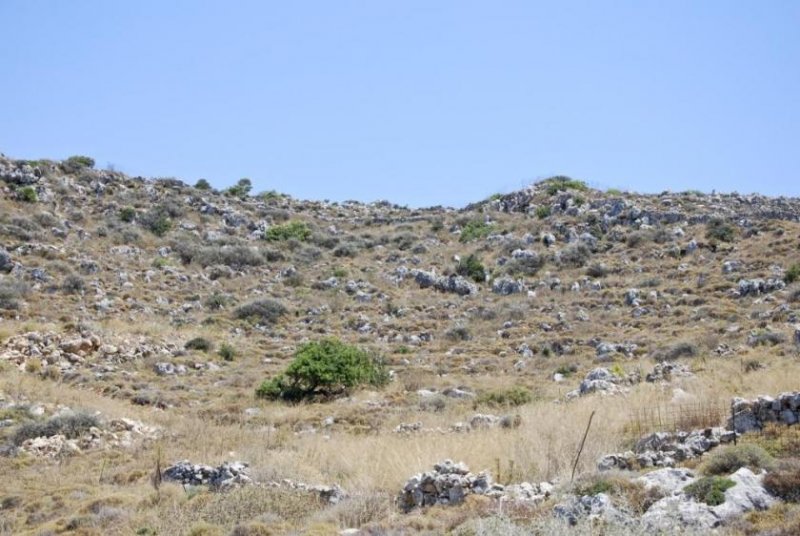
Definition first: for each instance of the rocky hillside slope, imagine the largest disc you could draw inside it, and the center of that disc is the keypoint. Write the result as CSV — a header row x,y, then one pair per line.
x,y
502,326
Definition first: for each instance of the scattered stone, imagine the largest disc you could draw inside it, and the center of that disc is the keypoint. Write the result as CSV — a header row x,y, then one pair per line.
x,y
224,476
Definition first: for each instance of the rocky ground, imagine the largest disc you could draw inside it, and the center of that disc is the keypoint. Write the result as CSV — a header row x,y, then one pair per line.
x,y
138,317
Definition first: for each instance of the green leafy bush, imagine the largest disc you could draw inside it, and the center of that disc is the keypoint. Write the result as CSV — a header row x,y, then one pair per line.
x,y
542,211
227,352
513,396
709,489
264,311
729,459
202,184
241,189
27,194
471,267
325,369
561,183
296,230
76,163
718,230
474,230
127,214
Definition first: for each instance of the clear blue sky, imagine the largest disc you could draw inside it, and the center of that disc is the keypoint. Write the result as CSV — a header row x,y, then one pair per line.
x,y
419,102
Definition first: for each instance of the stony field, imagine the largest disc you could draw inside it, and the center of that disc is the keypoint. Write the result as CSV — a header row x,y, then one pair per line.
x,y
558,360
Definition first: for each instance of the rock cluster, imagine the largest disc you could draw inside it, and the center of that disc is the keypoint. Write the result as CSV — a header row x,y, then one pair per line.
x,y
601,380
450,482
221,477
119,433
69,351
479,421
755,287
664,372
749,415
452,283
665,449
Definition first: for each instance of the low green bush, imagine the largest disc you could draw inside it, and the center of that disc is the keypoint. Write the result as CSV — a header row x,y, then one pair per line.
x,y
727,460
513,396
709,489
472,267
324,369
720,231
296,230
475,230
27,194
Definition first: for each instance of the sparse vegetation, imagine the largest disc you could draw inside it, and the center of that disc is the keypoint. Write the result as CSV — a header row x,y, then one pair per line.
x,y
513,396
727,460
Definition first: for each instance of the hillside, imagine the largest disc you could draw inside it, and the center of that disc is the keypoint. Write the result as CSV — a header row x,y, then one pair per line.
x,y
501,326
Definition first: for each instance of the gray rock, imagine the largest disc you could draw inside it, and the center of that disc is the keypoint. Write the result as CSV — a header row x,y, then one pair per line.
x,y
668,480
506,286
632,297
591,507
674,514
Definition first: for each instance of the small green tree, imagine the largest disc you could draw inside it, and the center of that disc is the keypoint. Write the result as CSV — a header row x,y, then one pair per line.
x,y
202,184
325,369
241,189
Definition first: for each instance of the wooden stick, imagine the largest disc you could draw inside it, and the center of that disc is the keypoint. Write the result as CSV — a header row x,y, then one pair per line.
x,y
580,449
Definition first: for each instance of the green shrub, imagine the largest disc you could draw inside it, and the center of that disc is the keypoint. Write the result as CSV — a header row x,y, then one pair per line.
x,y
202,184
709,489
227,352
241,189
27,194
127,214
474,230
70,425
76,163
729,459
542,211
199,343
264,311
471,267
561,183
575,256
792,274
325,369
718,230
217,301
513,396
296,230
